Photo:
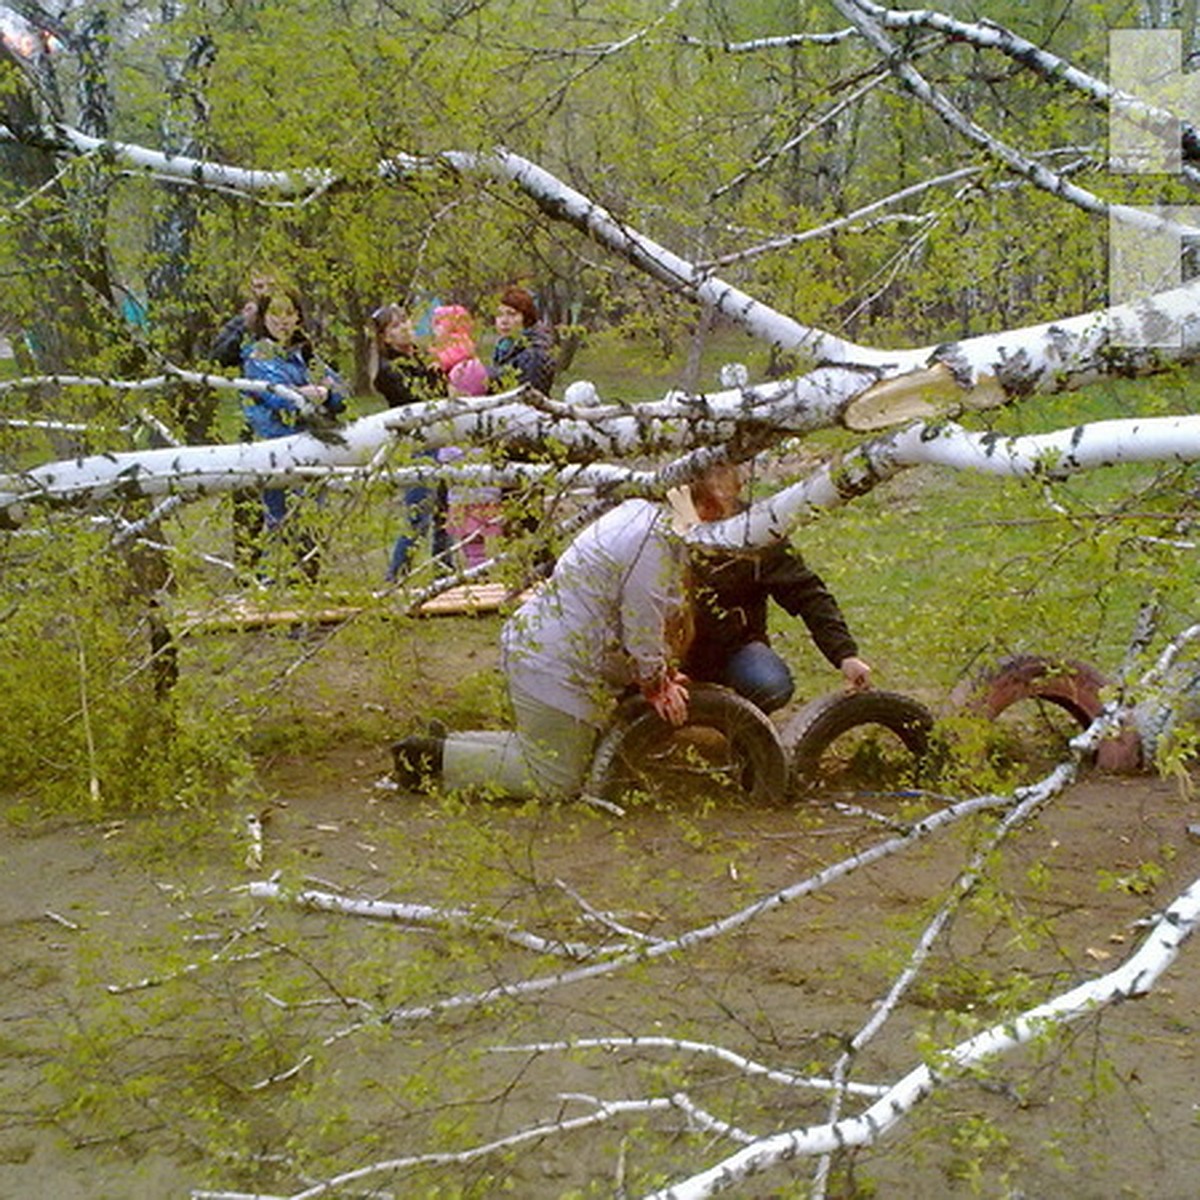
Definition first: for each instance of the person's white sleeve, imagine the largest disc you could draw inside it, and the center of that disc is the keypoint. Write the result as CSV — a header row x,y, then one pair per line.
x,y
649,595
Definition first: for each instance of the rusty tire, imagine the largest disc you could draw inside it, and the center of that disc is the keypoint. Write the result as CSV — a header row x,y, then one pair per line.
x,y
1069,683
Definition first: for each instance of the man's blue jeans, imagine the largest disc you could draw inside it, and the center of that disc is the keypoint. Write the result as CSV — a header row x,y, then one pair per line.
x,y
758,673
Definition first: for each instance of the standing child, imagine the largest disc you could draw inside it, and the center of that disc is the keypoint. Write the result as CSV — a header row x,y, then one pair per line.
x,y
403,374
278,351
523,356
473,519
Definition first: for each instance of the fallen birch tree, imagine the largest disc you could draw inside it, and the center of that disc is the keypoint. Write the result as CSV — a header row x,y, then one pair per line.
x,y
980,372
914,405
887,1105
1135,978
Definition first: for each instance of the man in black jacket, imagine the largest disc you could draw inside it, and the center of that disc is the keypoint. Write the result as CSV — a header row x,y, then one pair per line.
x,y
730,644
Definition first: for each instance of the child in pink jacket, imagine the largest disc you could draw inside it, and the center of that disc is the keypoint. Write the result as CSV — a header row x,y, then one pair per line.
x,y
473,519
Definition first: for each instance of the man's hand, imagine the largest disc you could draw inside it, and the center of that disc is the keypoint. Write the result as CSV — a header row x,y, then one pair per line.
x,y
669,698
856,673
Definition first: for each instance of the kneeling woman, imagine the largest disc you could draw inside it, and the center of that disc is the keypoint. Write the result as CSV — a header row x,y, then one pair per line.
x,y
608,619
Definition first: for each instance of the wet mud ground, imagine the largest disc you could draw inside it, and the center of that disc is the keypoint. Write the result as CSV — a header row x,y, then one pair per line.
x,y
1110,1108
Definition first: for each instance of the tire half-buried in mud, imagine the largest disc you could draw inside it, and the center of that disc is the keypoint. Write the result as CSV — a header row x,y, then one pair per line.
x,y
1074,686
812,732
727,744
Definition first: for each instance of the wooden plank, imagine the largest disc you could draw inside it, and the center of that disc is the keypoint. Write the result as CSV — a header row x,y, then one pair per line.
x,y
466,598
244,617
242,614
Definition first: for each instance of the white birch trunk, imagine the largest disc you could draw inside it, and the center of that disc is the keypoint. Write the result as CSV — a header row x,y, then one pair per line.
x,y
1041,358
861,388
1016,372
1133,978
1056,455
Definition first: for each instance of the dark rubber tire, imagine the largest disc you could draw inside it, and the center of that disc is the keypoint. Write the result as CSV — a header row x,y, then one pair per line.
x,y
821,721
639,741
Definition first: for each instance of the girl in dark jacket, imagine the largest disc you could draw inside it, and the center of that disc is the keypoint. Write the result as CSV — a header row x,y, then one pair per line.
x,y
400,369
523,354
403,374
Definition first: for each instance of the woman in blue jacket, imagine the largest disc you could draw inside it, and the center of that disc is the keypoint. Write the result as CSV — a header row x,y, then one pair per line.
x,y
278,351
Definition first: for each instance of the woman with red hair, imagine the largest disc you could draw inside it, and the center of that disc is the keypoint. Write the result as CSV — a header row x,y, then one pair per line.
x,y
523,353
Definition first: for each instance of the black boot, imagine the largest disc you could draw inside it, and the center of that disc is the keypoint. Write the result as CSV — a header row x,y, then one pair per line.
x,y
418,760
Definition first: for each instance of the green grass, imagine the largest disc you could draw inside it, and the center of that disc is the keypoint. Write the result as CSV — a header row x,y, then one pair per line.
x,y
632,369
940,570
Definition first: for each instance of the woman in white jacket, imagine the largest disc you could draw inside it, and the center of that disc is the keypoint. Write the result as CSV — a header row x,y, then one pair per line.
x,y
611,617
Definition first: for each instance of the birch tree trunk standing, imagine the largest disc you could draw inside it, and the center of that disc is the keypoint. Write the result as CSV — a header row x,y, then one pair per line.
x,y
34,171
182,327
77,261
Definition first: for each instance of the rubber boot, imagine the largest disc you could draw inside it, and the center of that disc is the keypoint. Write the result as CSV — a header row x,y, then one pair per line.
x,y
418,760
